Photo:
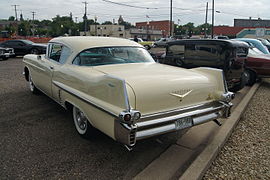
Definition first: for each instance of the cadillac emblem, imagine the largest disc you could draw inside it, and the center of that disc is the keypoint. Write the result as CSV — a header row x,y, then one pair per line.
x,y
181,94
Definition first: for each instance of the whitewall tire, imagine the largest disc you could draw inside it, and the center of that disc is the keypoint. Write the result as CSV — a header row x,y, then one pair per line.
x,y
81,123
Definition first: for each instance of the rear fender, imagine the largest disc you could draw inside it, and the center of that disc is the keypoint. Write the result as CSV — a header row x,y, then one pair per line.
x,y
216,76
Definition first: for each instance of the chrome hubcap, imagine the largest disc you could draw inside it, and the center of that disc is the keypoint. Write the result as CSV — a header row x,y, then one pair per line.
x,y
81,119
31,84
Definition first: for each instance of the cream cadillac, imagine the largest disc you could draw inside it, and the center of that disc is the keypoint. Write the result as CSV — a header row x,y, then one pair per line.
x,y
115,86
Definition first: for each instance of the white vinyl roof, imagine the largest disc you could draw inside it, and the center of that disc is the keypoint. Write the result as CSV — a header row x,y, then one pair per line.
x,y
79,43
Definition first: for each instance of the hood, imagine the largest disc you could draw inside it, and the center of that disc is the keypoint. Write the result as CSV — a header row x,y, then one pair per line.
x,y
260,56
40,45
158,87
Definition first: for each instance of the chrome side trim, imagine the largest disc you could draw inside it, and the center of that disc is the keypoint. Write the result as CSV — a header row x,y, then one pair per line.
x,y
72,92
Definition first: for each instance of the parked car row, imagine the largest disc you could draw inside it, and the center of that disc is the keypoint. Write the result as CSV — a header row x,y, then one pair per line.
x,y
114,85
23,47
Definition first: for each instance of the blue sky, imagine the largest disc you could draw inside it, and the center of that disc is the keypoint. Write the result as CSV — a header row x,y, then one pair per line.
x,y
184,11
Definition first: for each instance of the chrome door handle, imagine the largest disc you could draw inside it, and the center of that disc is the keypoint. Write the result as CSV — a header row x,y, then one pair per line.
x,y
51,67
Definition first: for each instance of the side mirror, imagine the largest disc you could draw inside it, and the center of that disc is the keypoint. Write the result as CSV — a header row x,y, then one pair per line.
x,y
38,57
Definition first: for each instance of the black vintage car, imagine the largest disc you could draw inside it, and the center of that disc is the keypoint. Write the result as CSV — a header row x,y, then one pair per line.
x,y
228,55
23,47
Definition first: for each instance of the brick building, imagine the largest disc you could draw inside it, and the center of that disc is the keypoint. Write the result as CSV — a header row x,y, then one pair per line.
x,y
163,26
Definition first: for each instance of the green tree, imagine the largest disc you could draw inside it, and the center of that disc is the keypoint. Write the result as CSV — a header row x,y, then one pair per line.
x,y
107,22
127,25
11,18
24,28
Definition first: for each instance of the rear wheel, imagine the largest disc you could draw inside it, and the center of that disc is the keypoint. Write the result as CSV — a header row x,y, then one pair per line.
x,y
252,77
243,81
147,47
34,51
81,123
179,62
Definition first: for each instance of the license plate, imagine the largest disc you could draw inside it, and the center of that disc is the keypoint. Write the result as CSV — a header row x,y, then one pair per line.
x,y
183,123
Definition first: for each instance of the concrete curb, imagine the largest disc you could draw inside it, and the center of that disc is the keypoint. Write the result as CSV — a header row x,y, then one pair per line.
x,y
202,162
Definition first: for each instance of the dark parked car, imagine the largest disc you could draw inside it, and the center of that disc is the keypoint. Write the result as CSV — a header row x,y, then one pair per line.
x,y
230,56
257,65
23,47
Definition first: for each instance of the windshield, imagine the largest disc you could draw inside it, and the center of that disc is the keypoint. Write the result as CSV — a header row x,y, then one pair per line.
x,y
112,55
27,42
265,42
254,51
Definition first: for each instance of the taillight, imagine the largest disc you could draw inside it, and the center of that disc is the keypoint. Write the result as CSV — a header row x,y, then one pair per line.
x,y
127,117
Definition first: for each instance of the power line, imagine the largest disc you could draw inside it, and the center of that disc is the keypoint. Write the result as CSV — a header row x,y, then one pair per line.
x,y
15,8
127,5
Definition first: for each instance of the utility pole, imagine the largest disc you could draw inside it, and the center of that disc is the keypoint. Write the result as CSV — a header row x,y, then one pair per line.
x,y
213,16
21,16
95,25
33,14
76,19
171,19
15,8
70,15
85,17
205,26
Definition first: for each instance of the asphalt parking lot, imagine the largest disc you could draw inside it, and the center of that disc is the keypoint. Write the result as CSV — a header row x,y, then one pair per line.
x,y
38,138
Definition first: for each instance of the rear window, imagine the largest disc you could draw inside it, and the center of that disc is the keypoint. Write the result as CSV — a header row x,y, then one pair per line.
x,y
112,55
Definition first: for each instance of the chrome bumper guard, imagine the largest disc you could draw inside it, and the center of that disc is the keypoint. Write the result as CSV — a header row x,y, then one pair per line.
x,y
165,122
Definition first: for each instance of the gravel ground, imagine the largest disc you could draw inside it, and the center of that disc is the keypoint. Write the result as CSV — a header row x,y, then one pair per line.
x,y
246,153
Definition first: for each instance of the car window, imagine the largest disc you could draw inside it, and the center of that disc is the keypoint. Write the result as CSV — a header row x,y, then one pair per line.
x,y
13,43
207,50
176,49
241,52
55,52
65,53
112,55
59,53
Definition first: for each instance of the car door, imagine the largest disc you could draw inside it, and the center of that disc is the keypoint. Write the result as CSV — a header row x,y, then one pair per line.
x,y
18,46
48,66
59,72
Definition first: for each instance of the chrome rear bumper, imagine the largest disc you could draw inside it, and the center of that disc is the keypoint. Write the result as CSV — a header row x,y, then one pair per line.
x,y
165,122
